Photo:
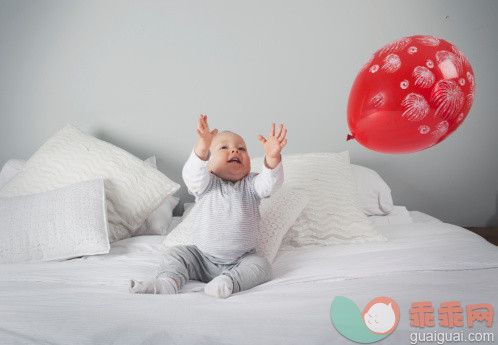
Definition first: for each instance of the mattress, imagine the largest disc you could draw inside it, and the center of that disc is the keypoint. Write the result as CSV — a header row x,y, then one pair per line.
x,y
86,300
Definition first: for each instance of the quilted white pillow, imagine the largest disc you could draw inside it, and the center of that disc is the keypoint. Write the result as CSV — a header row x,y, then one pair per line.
x,y
158,222
10,169
332,215
56,225
133,188
187,208
278,213
374,195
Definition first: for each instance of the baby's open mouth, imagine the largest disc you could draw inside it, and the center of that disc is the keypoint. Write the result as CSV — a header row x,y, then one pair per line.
x,y
234,160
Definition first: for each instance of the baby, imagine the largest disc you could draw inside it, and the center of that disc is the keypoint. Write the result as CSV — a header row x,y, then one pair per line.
x,y
226,226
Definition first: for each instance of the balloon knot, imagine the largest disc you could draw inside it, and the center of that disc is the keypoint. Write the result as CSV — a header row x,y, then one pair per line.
x,y
349,137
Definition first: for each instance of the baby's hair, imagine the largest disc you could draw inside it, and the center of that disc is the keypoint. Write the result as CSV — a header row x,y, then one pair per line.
x,y
229,132
232,133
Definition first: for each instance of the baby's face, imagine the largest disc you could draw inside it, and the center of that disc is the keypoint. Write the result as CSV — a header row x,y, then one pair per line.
x,y
229,158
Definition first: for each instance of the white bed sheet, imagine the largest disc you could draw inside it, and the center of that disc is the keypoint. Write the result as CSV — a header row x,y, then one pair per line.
x,y
421,217
86,300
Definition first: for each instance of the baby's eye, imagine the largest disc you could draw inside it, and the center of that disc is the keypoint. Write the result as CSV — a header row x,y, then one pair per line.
x,y
242,149
223,147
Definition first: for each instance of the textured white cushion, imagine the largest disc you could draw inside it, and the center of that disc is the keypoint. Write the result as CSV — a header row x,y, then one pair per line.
x,y
332,215
374,195
133,188
187,208
182,233
10,169
399,215
56,225
158,222
278,213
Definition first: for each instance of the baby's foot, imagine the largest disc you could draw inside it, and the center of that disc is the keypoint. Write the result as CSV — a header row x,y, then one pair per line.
x,y
165,285
221,287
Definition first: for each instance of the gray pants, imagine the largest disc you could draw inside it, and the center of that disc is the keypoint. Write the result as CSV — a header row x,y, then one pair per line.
x,y
184,263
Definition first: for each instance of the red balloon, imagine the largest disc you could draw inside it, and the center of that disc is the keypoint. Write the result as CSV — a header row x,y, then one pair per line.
x,y
410,95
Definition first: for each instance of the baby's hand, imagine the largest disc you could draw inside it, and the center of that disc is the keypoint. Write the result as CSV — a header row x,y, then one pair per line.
x,y
274,145
205,137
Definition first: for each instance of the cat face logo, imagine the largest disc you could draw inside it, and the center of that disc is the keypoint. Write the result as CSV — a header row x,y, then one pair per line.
x,y
379,319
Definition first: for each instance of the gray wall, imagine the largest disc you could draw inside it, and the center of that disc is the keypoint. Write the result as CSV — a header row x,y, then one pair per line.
x,y
139,73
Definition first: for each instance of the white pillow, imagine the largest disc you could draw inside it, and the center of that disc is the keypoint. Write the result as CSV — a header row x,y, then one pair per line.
x,y
187,208
56,225
332,215
133,188
399,215
158,222
374,195
10,169
278,213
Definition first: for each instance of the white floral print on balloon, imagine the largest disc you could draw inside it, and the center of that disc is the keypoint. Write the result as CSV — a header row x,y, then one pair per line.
x,y
449,64
429,40
449,97
424,129
392,63
416,107
441,128
423,76
377,101
412,50
395,46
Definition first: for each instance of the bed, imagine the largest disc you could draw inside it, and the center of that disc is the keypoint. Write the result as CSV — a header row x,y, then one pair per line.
x,y
86,300
411,257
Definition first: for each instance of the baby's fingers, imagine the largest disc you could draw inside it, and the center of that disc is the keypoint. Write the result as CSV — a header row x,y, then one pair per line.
x,y
282,136
283,143
279,130
206,126
202,123
272,131
203,126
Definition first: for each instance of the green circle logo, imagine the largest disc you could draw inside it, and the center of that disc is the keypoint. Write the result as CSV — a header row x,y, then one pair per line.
x,y
379,319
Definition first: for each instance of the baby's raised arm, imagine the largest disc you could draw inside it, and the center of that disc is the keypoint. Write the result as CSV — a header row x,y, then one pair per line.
x,y
271,177
205,138
195,172
273,146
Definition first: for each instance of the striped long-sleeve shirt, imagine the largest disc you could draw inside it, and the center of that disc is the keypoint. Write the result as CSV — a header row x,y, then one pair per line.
x,y
226,217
